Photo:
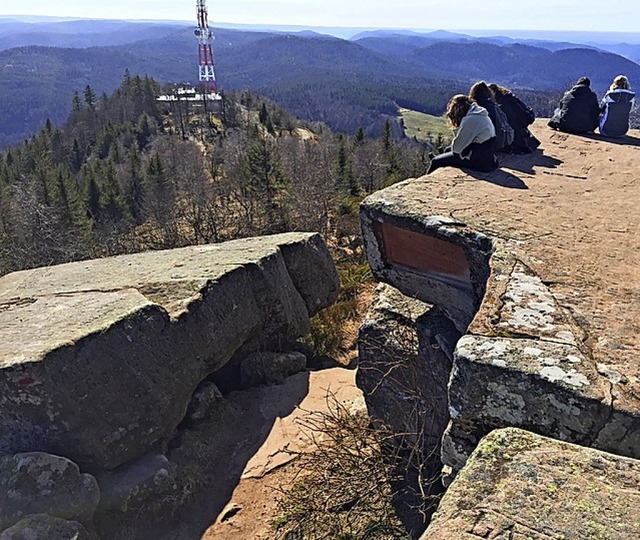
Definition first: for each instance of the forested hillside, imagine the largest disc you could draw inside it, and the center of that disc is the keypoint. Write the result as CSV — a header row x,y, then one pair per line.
x,y
318,78
125,175
523,66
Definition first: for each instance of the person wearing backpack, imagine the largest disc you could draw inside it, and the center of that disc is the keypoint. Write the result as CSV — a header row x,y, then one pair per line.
x,y
480,94
616,106
579,109
473,145
520,117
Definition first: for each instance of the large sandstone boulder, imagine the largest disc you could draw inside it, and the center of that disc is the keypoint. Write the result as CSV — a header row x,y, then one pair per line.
x,y
99,359
37,483
521,486
543,281
526,366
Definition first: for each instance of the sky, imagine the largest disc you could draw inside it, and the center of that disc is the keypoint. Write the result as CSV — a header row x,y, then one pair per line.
x,y
576,15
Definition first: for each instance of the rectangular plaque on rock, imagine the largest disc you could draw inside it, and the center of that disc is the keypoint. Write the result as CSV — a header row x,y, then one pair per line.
x,y
422,252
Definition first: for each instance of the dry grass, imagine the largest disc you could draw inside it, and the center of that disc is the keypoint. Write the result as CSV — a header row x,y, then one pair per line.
x,y
343,488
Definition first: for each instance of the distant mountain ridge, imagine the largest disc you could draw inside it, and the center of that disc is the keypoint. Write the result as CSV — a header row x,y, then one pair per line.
x,y
79,33
347,84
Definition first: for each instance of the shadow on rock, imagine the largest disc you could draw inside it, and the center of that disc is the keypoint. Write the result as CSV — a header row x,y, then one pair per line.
x,y
627,140
526,163
211,455
500,178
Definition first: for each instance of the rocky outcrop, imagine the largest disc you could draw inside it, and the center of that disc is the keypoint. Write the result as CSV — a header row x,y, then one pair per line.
x,y
525,487
533,355
404,366
38,483
99,359
536,266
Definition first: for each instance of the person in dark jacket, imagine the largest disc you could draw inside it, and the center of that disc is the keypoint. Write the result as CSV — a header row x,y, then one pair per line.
x,y
579,109
616,106
481,94
474,141
520,116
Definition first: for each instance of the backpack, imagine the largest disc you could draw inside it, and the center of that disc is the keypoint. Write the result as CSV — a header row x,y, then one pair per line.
x,y
504,131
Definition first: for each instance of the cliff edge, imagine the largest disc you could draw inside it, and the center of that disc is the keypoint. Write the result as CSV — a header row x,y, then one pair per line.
x,y
536,267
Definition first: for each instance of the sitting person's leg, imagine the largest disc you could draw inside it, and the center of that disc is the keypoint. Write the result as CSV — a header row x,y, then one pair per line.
x,y
448,159
483,156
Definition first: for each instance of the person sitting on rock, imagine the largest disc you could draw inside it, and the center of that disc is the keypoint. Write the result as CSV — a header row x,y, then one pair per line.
x,y
520,117
616,106
482,95
579,109
473,146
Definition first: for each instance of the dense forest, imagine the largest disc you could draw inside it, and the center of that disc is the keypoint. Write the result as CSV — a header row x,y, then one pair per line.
x,y
124,174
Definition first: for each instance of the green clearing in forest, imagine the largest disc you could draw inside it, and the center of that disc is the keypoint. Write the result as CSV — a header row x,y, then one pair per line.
x,y
424,126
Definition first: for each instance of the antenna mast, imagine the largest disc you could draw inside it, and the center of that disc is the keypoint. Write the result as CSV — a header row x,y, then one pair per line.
x,y
205,52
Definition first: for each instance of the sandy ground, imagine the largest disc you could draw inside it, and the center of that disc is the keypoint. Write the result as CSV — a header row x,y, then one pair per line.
x,y
252,506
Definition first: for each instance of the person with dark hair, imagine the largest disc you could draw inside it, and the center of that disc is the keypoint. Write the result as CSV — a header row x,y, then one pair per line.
x,y
616,106
474,141
481,94
520,117
579,109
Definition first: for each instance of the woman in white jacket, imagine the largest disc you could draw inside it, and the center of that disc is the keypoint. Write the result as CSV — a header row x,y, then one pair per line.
x,y
615,108
473,146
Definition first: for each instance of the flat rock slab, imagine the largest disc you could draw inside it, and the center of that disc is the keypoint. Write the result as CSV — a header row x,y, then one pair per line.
x,y
541,254
520,486
99,359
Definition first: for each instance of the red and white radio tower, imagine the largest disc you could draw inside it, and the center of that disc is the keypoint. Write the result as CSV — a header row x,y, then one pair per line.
x,y
205,51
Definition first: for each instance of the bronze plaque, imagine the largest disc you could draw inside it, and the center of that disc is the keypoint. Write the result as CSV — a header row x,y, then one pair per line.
x,y
421,252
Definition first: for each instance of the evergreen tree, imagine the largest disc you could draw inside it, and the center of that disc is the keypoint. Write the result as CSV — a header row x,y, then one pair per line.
x,y
112,205
346,183
92,194
391,154
76,102
158,189
263,115
104,141
68,200
143,131
77,157
134,190
89,97
264,179
387,136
